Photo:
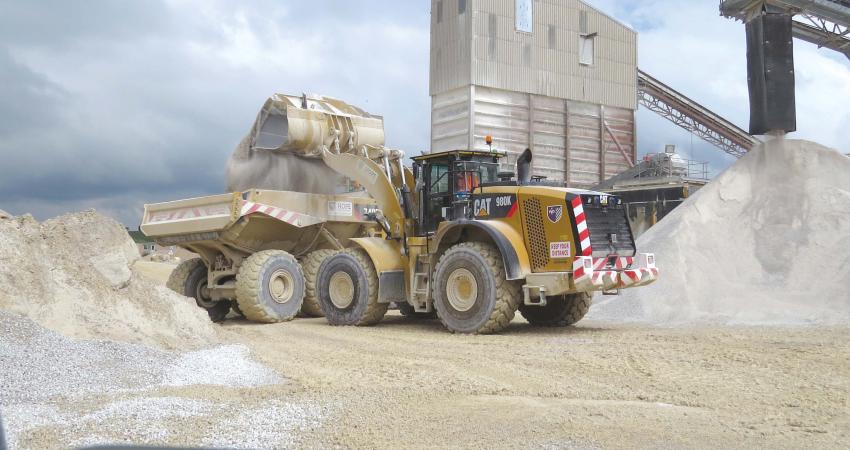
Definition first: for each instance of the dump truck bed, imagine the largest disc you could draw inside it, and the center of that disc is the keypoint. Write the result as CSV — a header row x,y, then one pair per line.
x,y
217,213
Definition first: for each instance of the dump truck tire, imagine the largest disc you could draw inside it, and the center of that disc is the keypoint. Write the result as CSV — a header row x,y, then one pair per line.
x,y
310,264
471,294
561,311
347,288
407,310
270,287
188,279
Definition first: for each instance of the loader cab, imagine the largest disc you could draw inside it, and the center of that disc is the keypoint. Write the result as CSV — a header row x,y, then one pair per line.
x,y
446,180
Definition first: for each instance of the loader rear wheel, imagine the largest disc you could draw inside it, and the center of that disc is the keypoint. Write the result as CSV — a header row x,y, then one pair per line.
x,y
189,278
310,264
561,311
471,294
347,288
270,287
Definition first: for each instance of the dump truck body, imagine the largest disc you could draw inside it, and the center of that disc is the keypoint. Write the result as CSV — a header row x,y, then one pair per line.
x,y
225,230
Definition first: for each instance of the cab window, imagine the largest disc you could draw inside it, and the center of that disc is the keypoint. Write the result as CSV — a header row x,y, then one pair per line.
x,y
439,179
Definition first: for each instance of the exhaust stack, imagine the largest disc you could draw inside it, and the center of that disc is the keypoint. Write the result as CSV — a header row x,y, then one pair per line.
x,y
523,167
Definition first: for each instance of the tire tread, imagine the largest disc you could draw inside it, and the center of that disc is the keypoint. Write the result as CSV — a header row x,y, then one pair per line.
x,y
507,292
247,287
312,307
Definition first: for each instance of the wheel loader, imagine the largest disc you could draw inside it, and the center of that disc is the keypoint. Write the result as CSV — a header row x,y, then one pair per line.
x,y
453,236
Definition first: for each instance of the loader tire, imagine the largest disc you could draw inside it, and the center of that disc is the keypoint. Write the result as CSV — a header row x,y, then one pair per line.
x,y
189,279
471,294
347,288
310,264
270,287
561,311
407,311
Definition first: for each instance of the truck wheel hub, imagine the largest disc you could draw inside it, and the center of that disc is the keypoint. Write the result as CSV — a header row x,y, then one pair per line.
x,y
341,290
462,290
202,295
281,286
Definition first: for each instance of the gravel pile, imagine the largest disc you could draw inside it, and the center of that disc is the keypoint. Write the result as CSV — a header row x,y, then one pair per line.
x,y
72,274
100,392
765,243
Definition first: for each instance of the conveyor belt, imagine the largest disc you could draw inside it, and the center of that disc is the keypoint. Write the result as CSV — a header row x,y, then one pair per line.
x,y
693,117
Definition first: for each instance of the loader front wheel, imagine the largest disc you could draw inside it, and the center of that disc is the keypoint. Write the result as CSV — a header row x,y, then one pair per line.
x,y
189,278
311,263
347,288
471,294
270,287
561,311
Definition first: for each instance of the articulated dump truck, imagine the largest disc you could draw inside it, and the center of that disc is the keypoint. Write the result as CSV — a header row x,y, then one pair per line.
x,y
452,237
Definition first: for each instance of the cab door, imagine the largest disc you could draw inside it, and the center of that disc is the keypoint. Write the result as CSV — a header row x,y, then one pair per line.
x,y
438,195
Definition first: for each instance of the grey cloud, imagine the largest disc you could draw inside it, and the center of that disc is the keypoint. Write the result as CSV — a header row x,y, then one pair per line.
x,y
60,23
112,104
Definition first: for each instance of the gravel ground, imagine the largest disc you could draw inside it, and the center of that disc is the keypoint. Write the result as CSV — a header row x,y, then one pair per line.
x,y
406,384
410,384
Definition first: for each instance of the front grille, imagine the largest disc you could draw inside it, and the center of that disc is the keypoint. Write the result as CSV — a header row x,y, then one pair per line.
x,y
533,215
602,223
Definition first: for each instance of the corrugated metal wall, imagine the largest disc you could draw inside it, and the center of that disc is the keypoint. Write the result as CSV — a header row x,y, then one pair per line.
x,y
450,112
529,90
451,44
553,128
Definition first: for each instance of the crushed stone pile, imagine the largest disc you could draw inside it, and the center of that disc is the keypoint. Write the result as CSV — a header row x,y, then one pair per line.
x,y
766,243
72,274
5,215
103,392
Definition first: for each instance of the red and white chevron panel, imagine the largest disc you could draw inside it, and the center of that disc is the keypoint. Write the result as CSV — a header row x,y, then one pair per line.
x,y
190,213
581,225
583,273
595,274
647,273
607,279
283,215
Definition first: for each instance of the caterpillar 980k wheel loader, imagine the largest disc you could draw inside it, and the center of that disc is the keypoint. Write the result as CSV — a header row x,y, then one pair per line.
x,y
475,245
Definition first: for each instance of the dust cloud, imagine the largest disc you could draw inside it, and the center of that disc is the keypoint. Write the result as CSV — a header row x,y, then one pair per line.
x,y
259,169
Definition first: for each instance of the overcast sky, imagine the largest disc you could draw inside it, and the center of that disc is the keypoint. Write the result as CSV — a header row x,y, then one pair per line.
x,y
112,104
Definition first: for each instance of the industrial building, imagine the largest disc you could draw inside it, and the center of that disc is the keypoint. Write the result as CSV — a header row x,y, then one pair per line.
x,y
556,76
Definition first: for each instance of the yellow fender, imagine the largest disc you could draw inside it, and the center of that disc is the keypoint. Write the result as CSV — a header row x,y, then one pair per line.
x,y
508,240
385,254
390,265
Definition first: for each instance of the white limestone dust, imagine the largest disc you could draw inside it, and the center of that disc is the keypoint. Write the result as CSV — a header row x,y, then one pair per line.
x,y
766,243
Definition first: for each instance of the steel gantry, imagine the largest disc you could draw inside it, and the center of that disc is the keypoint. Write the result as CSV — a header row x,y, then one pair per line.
x,y
825,23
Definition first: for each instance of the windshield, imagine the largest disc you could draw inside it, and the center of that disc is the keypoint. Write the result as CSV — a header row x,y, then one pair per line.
x,y
488,172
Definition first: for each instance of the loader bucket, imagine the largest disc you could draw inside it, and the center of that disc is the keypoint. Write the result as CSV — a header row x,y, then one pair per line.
x,y
304,125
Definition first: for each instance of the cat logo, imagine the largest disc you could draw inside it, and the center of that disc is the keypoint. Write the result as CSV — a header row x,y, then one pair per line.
x,y
481,206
